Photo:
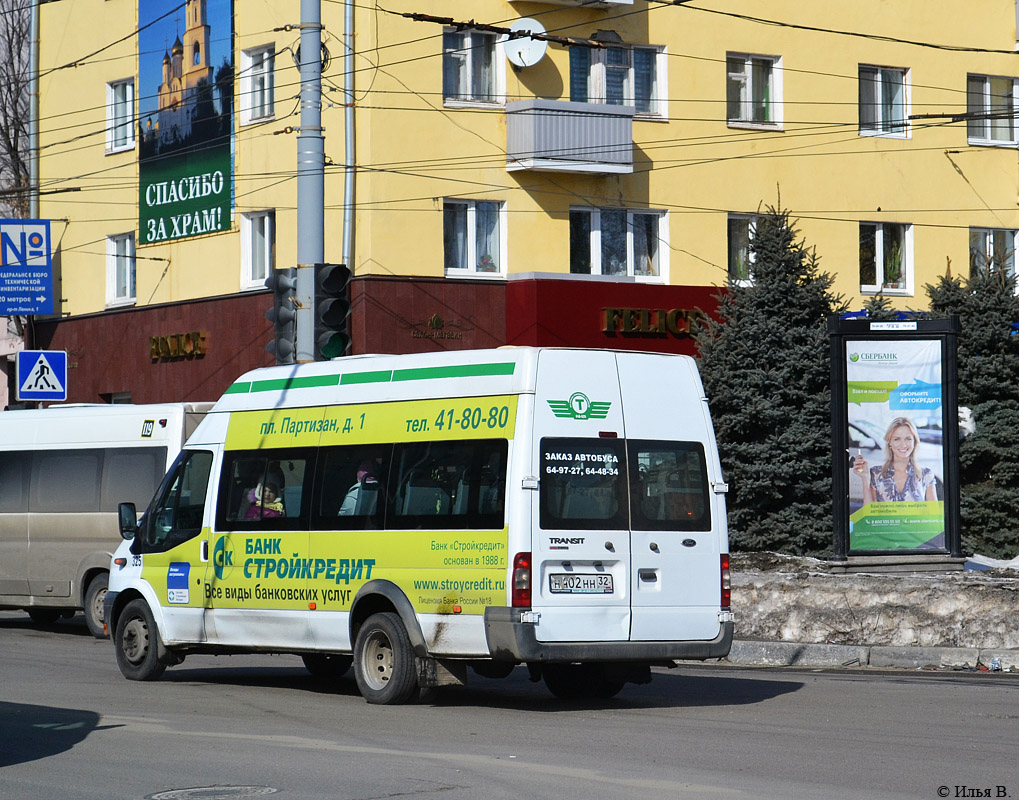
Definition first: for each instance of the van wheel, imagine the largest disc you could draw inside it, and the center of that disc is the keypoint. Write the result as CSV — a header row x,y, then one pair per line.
x,y
43,616
328,666
95,594
580,681
136,641
384,664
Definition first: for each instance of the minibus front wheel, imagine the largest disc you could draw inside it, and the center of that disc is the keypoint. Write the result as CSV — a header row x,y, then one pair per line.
x,y
136,640
384,664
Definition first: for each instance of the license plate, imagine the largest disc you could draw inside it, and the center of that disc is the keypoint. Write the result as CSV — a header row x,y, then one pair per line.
x,y
579,584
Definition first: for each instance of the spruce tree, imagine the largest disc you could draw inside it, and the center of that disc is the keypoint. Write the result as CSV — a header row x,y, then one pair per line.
x,y
988,359
764,364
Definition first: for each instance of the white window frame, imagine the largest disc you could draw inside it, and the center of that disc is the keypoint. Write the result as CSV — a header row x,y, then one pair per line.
x,y
979,131
751,220
881,126
987,246
879,287
262,251
597,78
463,55
595,215
120,252
473,269
258,84
120,135
746,80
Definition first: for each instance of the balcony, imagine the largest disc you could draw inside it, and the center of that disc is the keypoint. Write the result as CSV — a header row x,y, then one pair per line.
x,y
559,136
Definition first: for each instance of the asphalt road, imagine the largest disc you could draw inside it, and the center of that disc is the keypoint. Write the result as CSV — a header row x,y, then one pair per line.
x,y
243,726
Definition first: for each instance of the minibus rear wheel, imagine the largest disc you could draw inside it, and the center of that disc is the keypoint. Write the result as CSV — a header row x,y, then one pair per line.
x,y
384,664
95,594
136,641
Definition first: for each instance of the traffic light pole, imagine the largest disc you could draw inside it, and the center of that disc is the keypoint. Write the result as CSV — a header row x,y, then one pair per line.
x,y
310,178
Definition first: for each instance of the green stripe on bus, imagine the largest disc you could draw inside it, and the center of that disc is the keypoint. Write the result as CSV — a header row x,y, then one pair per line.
x,y
456,371
380,376
307,382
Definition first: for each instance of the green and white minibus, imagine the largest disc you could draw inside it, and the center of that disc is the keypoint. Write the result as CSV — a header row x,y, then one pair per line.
x,y
420,515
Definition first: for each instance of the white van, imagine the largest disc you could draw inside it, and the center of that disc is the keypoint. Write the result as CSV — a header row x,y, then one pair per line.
x,y
418,515
63,470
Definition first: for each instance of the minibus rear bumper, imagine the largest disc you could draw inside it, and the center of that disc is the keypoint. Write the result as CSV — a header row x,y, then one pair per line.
x,y
509,639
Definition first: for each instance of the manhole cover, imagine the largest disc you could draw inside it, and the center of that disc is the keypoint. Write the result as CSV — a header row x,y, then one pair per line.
x,y
212,793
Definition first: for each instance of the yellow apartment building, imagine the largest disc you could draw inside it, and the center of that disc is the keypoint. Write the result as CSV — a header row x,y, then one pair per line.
x,y
593,187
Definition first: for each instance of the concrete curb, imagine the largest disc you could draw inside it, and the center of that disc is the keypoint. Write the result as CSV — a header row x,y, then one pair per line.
x,y
803,654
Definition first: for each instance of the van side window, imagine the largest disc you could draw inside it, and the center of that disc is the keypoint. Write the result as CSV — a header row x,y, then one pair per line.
x,y
668,486
264,490
582,484
131,474
14,472
66,480
352,487
175,514
455,485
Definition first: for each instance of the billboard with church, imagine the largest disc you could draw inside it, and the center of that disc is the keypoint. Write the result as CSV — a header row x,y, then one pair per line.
x,y
185,118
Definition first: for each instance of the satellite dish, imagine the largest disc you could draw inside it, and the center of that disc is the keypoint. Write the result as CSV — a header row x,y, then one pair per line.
x,y
524,51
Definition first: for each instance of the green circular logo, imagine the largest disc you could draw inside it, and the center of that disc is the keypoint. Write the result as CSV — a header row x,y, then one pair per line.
x,y
854,357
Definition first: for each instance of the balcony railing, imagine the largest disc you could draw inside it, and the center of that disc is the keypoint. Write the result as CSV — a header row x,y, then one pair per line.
x,y
559,136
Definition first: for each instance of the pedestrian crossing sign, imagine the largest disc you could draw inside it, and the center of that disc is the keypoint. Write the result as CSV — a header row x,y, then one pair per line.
x,y
42,375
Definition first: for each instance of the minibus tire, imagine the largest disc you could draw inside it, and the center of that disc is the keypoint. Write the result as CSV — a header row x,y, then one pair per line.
x,y
384,662
95,594
327,666
137,643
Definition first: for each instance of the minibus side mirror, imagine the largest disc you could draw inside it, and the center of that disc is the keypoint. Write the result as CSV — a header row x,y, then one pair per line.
x,y
128,520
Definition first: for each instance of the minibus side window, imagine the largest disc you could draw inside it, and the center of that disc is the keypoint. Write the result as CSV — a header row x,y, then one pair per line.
x,y
175,514
449,485
66,480
14,471
265,490
582,484
668,486
131,474
351,492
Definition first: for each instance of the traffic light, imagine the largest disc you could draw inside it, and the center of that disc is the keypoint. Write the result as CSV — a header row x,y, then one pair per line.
x,y
332,307
283,315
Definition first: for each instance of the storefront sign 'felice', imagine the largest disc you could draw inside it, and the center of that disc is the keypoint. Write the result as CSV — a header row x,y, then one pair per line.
x,y
651,321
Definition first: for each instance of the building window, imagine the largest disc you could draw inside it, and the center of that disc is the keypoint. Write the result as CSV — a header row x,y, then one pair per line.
x,y
617,241
471,237
258,247
119,116
120,269
883,101
885,257
753,90
741,231
990,109
257,84
991,247
469,67
621,76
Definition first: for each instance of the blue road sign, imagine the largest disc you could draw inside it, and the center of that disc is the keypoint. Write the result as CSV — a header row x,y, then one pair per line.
x,y
42,375
26,267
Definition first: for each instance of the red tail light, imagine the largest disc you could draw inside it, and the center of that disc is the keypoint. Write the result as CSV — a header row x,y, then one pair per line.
x,y
522,580
726,582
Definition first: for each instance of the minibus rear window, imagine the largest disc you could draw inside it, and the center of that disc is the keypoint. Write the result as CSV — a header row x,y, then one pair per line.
x,y
583,484
668,486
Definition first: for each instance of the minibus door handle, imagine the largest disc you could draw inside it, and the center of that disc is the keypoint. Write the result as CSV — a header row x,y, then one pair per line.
x,y
204,553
